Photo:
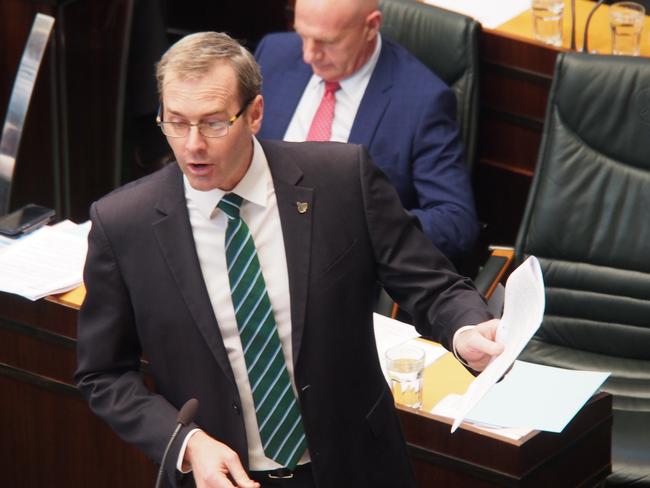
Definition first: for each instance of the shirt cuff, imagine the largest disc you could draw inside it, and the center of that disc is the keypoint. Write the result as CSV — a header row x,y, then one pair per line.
x,y
181,454
453,344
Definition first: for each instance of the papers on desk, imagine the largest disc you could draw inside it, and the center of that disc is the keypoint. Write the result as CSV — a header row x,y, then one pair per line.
x,y
50,260
537,397
490,13
523,310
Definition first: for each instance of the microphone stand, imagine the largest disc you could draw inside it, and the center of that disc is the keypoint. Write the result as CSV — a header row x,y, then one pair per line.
x,y
573,25
185,417
585,42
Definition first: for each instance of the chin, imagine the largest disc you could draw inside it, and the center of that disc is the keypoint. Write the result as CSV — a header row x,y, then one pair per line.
x,y
201,184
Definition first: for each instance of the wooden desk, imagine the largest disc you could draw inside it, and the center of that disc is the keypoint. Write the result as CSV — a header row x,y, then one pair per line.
x,y
515,79
50,437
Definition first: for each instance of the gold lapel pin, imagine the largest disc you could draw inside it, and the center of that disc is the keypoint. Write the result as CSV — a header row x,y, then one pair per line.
x,y
302,207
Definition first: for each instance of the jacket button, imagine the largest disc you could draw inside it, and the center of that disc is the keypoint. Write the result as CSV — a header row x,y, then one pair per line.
x,y
235,408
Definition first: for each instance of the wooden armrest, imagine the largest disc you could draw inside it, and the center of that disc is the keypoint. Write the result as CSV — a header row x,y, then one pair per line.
x,y
495,270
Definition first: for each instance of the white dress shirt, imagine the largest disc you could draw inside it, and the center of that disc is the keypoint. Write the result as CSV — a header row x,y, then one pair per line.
x,y
260,212
348,99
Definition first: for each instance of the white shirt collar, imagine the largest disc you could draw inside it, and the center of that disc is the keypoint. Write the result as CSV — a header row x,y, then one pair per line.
x,y
252,187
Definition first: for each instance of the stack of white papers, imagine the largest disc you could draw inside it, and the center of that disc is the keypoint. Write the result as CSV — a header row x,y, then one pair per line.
x,y
534,396
48,261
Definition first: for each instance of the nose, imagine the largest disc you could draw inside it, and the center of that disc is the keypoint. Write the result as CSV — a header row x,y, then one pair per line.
x,y
310,51
194,141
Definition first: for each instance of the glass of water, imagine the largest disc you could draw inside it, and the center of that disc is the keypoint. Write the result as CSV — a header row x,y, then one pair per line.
x,y
547,21
626,23
405,364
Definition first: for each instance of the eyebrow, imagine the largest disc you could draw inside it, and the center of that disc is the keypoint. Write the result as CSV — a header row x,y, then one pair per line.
x,y
210,114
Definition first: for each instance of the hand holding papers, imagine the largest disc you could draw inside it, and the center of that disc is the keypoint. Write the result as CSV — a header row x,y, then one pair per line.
x,y
522,316
531,396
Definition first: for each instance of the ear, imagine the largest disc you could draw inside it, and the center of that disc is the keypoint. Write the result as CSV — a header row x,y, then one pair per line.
x,y
373,23
255,114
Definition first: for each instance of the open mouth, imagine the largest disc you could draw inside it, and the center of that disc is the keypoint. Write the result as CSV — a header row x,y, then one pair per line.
x,y
198,168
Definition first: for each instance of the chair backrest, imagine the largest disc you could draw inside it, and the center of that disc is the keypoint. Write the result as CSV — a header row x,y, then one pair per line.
x,y
447,43
588,222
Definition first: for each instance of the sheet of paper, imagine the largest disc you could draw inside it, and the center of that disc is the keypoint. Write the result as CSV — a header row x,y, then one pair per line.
x,y
537,397
490,13
432,350
45,262
448,406
523,310
5,242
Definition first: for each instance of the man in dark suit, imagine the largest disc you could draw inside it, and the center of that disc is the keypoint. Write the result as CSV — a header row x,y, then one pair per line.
x,y
318,225
386,100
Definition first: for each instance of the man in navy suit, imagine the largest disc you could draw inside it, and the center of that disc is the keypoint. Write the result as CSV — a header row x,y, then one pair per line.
x,y
387,101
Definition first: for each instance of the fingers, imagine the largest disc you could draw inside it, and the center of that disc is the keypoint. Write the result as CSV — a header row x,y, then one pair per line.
x,y
488,329
212,462
238,473
476,345
487,346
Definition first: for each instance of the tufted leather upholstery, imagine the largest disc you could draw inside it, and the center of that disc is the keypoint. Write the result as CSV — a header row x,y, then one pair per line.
x,y
588,222
447,43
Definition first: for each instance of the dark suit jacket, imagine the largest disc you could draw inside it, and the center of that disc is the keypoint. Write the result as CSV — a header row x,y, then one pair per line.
x,y
407,120
146,294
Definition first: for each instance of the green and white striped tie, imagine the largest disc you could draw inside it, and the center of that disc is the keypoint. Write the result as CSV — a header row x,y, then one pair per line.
x,y
278,416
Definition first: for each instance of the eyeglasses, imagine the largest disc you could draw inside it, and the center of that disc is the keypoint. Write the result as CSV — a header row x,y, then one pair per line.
x,y
215,129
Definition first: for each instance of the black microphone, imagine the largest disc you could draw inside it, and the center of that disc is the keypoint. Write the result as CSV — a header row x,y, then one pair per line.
x,y
185,417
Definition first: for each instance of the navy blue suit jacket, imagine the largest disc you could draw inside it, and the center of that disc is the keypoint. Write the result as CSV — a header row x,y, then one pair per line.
x,y
407,120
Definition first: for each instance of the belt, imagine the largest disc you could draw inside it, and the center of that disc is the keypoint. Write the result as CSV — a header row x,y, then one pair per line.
x,y
281,473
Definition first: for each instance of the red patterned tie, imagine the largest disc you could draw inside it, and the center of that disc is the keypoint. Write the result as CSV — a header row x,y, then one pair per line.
x,y
321,126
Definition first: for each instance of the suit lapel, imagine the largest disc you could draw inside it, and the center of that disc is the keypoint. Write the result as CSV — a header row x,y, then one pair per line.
x,y
295,204
375,100
286,95
174,235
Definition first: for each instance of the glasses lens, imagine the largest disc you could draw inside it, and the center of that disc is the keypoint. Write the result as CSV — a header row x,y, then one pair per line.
x,y
214,129
174,129
182,129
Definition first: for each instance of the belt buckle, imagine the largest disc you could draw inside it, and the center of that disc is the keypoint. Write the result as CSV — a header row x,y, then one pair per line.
x,y
280,474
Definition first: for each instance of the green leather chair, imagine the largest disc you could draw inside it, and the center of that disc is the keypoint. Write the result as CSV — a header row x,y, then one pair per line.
x,y
588,221
447,43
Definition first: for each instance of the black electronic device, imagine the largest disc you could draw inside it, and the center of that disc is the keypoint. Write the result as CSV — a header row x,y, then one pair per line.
x,y
25,219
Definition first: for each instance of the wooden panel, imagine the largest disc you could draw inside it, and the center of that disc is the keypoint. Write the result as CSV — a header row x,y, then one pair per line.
x,y
51,439
49,435
36,351
579,456
515,78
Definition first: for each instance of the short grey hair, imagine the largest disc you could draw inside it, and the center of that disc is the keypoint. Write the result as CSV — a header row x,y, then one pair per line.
x,y
194,55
